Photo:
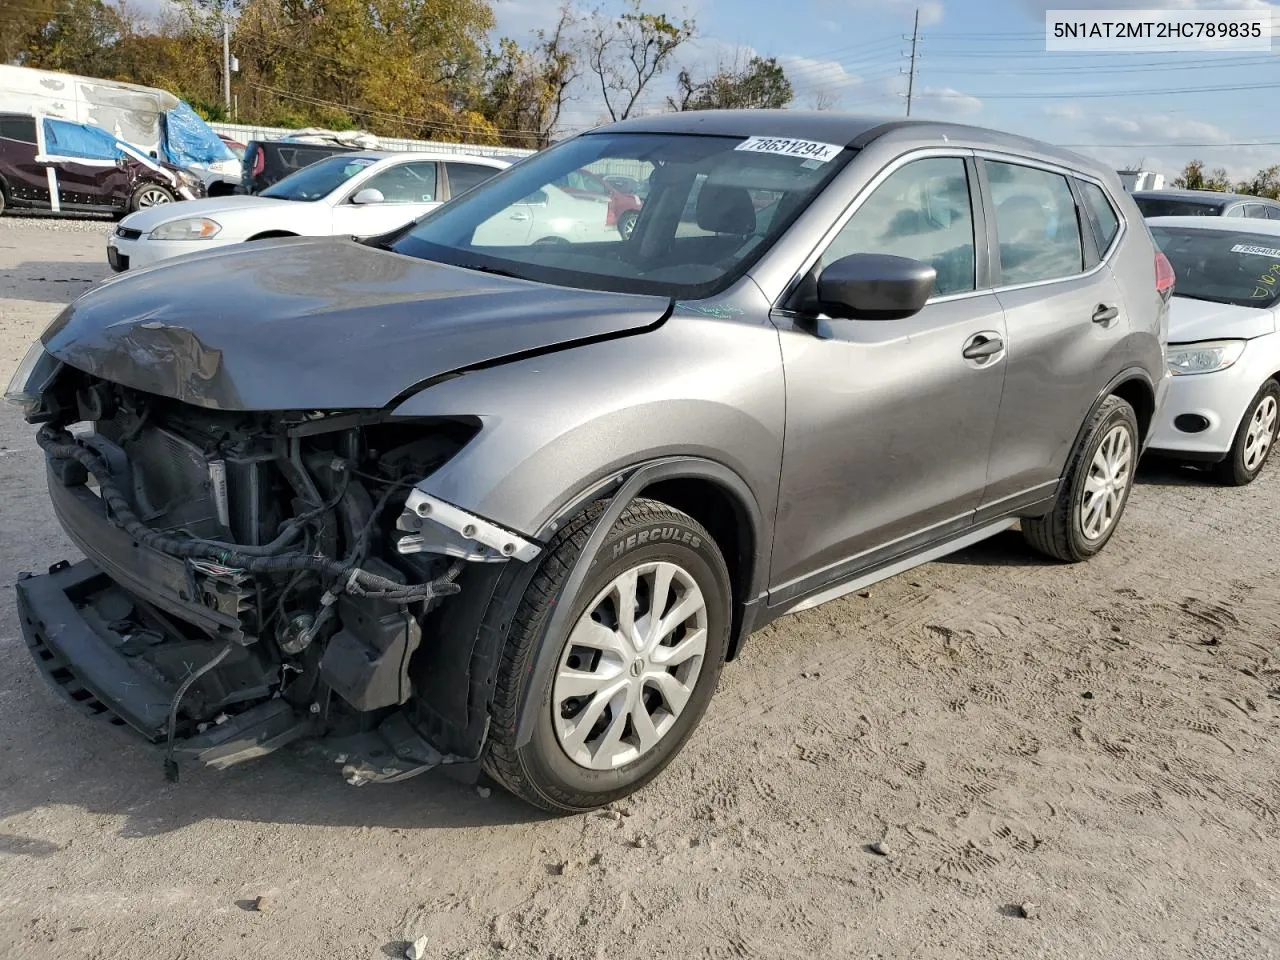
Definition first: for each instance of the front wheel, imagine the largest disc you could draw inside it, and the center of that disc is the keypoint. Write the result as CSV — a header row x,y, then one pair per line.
x,y
635,671
149,195
1095,489
1254,438
627,223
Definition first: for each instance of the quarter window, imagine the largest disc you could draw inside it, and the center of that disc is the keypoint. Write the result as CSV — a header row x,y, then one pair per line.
x,y
1102,215
1255,211
1036,224
922,211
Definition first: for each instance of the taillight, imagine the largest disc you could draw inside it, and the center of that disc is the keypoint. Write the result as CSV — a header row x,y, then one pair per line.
x,y
1164,276
259,161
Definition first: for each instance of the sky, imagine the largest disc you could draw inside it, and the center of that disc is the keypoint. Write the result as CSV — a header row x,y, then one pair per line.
x,y
984,63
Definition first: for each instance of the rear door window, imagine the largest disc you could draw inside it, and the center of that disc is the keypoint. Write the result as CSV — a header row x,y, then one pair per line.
x,y
1037,227
1255,211
464,176
22,129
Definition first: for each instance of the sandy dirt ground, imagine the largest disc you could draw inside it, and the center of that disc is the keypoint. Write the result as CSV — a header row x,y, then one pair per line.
x,y
1099,741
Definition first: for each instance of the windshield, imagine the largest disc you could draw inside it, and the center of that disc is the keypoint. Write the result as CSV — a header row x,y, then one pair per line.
x,y
1170,207
318,179
713,205
1224,266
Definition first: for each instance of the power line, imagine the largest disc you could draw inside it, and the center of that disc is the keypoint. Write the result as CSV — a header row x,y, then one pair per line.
x,y
1105,94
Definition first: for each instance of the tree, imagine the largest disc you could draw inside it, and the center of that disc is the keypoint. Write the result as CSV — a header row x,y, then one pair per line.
x,y
627,53
527,89
72,35
1193,178
760,85
1265,183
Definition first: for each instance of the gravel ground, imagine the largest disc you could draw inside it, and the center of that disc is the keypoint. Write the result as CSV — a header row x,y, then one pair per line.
x,y
891,775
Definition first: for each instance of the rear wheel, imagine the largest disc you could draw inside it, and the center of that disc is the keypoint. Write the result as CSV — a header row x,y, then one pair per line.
x,y
149,195
1096,488
635,671
3,200
627,224
1254,439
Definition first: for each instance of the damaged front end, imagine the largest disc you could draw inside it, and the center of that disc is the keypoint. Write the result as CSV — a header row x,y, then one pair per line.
x,y
254,578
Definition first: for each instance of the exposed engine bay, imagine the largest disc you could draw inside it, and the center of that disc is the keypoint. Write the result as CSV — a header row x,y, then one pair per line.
x,y
268,574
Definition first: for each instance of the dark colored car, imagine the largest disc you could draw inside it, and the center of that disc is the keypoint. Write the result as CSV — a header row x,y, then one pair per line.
x,y
1204,203
268,161
457,495
51,164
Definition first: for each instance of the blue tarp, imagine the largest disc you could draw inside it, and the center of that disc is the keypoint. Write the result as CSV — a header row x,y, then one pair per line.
x,y
192,141
66,139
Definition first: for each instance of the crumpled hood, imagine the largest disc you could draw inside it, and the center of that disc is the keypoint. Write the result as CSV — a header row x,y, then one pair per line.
x,y
325,323
1193,320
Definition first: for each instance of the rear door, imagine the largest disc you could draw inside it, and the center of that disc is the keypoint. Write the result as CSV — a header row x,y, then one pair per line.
x,y
408,191
1065,315
27,180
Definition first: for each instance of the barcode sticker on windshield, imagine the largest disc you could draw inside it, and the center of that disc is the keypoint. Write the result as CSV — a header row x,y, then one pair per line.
x,y
1256,251
786,147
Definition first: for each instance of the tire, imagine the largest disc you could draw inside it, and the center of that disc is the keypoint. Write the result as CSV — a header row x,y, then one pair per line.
x,y
1245,461
1072,531
3,200
551,242
564,773
627,223
149,195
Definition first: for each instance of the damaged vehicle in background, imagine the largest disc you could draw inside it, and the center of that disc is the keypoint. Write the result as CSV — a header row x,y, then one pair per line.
x,y
456,497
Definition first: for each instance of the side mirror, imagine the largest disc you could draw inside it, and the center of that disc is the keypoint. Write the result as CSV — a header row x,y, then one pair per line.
x,y
368,195
874,286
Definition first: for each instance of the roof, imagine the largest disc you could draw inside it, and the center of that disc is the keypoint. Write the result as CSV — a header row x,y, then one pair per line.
x,y
1199,195
408,155
1270,228
828,126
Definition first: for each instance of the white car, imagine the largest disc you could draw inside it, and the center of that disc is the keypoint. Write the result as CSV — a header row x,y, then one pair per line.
x,y
1224,349
350,194
549,216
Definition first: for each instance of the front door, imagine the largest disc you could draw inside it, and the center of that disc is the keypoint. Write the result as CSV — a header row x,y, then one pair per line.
x,y
408,191
889,423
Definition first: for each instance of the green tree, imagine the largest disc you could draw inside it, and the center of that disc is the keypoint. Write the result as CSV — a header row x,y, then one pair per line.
x,y
760,85
526,89
626,53
1193,178
1264,183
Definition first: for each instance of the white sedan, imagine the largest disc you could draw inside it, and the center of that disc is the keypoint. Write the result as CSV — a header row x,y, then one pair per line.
x,y
1224,350
350,194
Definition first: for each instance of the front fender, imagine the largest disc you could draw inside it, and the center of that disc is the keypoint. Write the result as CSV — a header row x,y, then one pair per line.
x,y
556,426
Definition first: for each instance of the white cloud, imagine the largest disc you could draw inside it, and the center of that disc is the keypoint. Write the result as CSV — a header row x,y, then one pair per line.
x,y
1064,111
947,101
808,75
930,11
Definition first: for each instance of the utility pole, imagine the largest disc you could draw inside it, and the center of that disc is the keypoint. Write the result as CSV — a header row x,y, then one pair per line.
x,y
911,77
226,61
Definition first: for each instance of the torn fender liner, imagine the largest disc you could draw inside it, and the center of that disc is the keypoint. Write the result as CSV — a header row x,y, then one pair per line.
x,y
325,323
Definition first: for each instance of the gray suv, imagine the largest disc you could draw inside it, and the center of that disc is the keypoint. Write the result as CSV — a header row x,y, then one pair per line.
x,y
502,491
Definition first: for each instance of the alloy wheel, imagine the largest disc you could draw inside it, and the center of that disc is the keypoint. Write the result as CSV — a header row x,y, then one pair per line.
x,y
152,198
1107,482
1261,433
629,666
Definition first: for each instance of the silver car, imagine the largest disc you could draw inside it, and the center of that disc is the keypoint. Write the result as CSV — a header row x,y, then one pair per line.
x,y
479,494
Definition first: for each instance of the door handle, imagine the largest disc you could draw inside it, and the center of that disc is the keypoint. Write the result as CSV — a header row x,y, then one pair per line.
x,y
520,215
1105,314
981,346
